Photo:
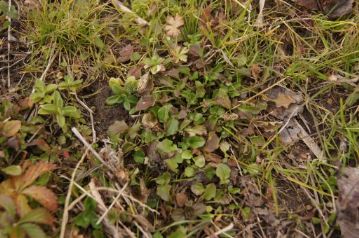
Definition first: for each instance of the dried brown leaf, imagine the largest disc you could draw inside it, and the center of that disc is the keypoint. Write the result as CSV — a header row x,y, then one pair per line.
x,y
10,128
145,102
212,142
125,53
41,144
117,128
173,25
348,206
181,199
283,97
44,196
33,172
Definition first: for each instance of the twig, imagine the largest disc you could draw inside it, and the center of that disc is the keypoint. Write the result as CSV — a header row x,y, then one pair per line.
x,y
111,228
260,93
145,234
112,204
91,117
308,140
259,21
8,46
131,198
139,20
222,231
83,140
65,216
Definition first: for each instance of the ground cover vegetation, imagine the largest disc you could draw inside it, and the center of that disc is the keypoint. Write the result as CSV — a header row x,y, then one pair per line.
x,y
169,118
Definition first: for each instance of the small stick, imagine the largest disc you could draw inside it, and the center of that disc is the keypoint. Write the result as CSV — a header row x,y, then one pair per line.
x,y
112,204
83,140
115,233
65,216
91,117
140,21
8,47
222,231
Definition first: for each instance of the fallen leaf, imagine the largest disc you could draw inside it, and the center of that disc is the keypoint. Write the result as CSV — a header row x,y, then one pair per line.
x,y
212,142
339,8
10,128
125,53
33,172
347,203
145,102
256,71
44,196
181,199
149,120
26,103
173,25
290,134
333,8
308,4
145,84
283,97
41,144
135,71
117,128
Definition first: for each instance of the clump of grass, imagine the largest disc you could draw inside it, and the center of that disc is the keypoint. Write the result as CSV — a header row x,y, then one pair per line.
x,y
70,27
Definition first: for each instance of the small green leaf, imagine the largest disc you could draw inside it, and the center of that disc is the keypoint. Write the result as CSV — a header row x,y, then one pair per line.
x,y
223,172
195,141
197,188
163,191
166,146
187,154
114,99
199,161
165,178
172,164
13,170
189,171
139,156
163,113
172,127
179,233
210,192
58,102
47,109
71,111
116,86
61,121
33,230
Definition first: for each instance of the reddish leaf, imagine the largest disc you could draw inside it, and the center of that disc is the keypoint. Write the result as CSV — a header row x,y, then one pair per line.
x,y
125,53
181,199
212,142
41,144
33,172
43,195
145,102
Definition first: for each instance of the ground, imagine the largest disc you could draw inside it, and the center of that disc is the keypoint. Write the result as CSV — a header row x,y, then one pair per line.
x,y
152,118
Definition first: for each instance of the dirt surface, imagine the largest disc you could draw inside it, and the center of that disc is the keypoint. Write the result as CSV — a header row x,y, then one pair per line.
x,y
104,115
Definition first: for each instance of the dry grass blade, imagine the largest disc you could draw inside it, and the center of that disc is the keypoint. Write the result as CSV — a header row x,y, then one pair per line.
x,y
140,21
65,215
108,225
88,146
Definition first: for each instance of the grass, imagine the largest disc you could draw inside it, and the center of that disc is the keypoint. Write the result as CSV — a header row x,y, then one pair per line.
x,y
201,149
